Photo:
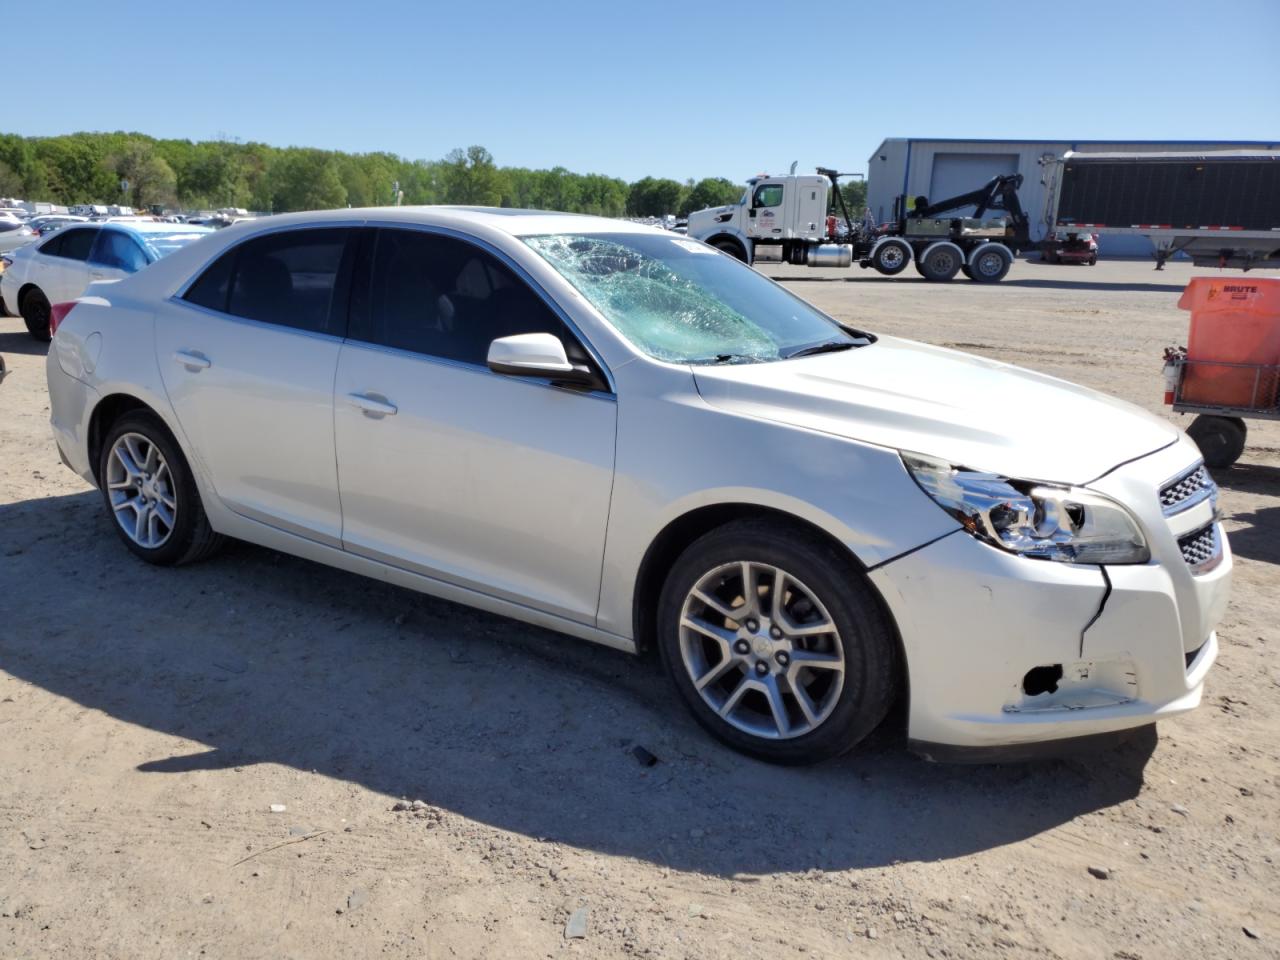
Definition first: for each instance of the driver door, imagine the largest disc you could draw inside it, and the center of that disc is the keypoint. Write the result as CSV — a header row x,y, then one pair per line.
x,y
495,483
765,219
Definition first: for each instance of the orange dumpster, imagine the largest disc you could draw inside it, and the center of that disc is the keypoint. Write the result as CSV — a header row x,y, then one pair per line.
x,y
1233,321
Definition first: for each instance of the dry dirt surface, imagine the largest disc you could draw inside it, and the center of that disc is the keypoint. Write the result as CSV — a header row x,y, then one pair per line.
x,y
151,718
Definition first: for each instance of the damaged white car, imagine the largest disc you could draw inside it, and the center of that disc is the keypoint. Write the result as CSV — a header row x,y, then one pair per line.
x,y
627,436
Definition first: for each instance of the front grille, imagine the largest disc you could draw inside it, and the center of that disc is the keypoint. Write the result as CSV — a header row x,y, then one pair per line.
x,y
1200,547
1187,490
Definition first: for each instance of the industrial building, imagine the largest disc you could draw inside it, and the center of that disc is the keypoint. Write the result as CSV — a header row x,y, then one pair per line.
x,y
938,168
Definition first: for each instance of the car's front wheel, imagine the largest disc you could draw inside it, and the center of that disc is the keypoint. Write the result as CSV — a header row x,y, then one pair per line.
x,y
151,494
777,643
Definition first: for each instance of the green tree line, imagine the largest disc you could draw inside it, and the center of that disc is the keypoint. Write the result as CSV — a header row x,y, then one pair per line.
x,y
209,174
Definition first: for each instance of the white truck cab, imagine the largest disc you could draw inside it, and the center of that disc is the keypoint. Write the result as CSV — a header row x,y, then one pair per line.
x,y
770,209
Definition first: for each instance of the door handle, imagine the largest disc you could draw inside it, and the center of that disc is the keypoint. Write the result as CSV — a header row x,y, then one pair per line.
x,y
373,406
195,362
97,275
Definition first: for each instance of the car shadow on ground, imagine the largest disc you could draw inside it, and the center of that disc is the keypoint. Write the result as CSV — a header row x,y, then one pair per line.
x,y
23,343
1259,537
264,658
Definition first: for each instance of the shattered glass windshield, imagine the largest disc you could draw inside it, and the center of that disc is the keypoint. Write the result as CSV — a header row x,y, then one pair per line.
x,y
684,302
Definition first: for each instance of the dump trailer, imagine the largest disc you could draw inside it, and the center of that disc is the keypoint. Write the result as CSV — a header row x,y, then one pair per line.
x,y
787,219
1221,209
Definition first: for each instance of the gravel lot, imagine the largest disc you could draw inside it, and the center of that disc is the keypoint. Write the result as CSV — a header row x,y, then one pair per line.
x,y
149,720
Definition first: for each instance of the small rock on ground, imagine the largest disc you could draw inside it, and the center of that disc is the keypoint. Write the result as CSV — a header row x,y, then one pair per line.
x,y
576,928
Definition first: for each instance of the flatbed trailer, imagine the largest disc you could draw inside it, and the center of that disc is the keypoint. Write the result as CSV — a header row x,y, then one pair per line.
x,y
1221,209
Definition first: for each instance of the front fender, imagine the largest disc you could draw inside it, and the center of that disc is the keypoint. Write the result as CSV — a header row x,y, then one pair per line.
x,y
676,454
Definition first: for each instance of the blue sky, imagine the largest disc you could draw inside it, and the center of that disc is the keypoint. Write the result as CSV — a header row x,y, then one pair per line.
x,y
687,89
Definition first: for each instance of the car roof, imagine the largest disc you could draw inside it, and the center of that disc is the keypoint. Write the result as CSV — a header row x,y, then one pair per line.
x,y
140,227
516,222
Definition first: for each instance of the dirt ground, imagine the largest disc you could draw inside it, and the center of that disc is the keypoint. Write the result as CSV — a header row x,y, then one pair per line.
x,y
150,718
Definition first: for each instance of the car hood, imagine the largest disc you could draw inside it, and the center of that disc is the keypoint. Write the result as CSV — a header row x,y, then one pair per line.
x,y
967,410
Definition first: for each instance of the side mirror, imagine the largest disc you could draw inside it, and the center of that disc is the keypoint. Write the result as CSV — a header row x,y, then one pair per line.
x,y
539,355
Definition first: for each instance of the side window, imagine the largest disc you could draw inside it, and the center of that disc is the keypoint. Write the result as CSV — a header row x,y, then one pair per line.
x,y
768,195
119,251
292,279
76,244
447,298
289,279
53,247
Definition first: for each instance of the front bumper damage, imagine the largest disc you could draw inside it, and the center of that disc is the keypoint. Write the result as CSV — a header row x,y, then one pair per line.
x,y
1010,657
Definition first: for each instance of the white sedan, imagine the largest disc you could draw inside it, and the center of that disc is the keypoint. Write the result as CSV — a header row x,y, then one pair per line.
x,y
627,436
14,233
59,268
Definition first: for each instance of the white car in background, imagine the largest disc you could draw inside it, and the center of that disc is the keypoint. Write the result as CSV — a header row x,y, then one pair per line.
x,y
59,268
14,233
625,435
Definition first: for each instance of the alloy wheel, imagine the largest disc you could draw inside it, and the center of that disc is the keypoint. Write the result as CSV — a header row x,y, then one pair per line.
x,y
141,490
761,650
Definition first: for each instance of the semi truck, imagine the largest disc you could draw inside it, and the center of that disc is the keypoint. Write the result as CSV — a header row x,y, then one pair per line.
x,y
1221,209
786,220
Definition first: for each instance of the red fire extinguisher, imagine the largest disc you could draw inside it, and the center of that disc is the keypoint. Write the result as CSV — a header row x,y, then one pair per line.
x,y
831,226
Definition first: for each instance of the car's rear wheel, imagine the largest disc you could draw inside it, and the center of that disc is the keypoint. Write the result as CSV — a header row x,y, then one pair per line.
x,y
35,312
776,642
151,494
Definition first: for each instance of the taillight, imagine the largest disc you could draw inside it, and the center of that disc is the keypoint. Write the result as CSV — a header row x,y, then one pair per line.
x,y
57,313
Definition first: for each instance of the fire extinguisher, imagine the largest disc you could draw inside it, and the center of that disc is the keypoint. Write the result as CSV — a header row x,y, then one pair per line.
x,y
1171,366
831,226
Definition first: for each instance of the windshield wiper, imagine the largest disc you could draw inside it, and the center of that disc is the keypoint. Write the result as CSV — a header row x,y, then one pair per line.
x,y
727,358
830,346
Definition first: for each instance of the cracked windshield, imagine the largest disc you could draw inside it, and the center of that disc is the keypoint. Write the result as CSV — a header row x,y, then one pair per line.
x,y
683,302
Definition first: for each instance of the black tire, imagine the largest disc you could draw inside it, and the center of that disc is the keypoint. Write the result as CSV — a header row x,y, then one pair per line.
x,y
732,248
871,669
891,257
940,263
966,271
35,314
1220,439
991,265
191,538
1093,261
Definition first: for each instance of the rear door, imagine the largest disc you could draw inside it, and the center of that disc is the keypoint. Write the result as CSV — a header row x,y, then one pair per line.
x,y
64,273
248,355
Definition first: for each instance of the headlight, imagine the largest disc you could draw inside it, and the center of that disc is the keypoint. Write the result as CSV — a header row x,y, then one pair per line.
x,y
1032,519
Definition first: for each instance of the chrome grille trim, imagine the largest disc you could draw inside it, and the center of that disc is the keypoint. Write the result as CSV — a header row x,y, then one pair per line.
x,y
1186,490
1201,549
